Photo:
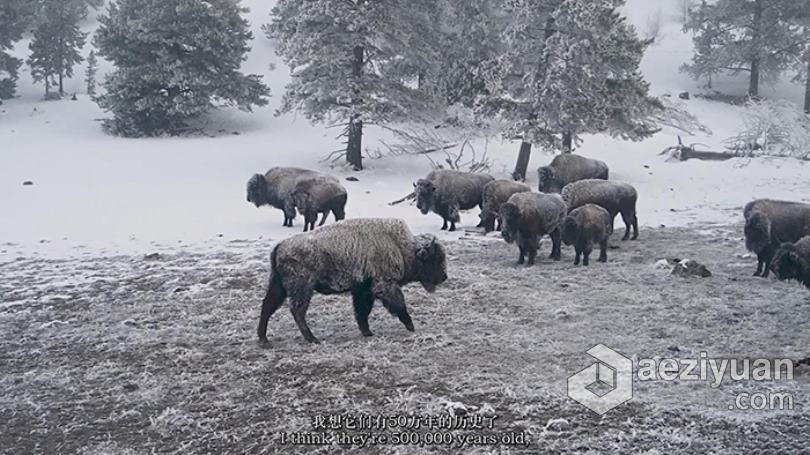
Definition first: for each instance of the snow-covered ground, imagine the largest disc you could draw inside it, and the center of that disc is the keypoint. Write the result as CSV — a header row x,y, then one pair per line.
x,y
96,194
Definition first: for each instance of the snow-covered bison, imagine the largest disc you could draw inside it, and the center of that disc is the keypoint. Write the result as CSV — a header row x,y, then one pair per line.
x,y
369,257
496,193
568,168
769,223
585,226
615,197
275,189
446,192
527,217
792,261
319,194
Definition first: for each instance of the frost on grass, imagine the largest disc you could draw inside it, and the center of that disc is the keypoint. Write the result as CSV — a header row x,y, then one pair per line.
x,y
160,356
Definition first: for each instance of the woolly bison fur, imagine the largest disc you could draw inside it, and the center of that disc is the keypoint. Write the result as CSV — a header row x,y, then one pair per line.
x,y
585,226
275,189
769,223
369,257
319,194
792,261
446,192
527,217
568,168
495,194
615,197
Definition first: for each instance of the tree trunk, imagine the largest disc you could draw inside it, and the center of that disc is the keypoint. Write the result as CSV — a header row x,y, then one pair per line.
x,y
354,149
753,82
61,86
354,155
567,142
523,161
807,88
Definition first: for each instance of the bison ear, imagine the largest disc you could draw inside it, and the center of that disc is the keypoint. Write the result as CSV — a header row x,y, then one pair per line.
x,y
414,184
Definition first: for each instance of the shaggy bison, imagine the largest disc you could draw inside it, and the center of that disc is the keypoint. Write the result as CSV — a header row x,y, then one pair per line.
x,y
585,226
527,217
615,197
769,223
568,168
496,193
446,192
275,189
792,261
319,194
371,258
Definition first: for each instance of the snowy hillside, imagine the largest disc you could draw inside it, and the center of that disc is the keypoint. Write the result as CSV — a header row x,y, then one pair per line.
x,y
94,193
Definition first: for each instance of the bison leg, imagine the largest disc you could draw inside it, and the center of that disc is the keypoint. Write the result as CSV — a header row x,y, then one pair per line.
x,y
628,224
522,254
556,240
760,262
444,225
635,226
532,255
299,303
272,301
452,226
323,220
363,301
578,254
603,250
394,301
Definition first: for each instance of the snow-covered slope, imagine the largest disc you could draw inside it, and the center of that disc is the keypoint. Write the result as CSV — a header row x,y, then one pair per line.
x,y
98,194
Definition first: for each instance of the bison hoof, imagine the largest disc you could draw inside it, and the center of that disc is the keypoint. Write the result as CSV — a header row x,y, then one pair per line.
x,y
452,228
757,273
313,340
367,334
410,328
634,237
263,343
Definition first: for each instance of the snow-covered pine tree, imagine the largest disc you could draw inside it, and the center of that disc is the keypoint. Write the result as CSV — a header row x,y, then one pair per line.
x,y
356,61
56,42
14,15
751,36
90,73
468,36
570,67
801,64
174,61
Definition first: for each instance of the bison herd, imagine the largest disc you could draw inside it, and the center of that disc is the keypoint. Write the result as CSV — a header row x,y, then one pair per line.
x,y
372,258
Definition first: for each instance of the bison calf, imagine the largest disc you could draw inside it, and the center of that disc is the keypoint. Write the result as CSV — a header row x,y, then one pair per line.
x,y
275,189
792,261
527,217
615,197
371,258
585,226
320,194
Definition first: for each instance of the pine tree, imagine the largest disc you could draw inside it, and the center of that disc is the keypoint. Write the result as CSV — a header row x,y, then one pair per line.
x,y
356,61
90,73
14,15
57,41
569,67
174,61
743,36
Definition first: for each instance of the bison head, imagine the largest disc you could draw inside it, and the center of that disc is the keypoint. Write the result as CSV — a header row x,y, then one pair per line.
x,y
301,201
431,262
788,264
545,177
424,190
757,232
569,230
510,217
257,190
